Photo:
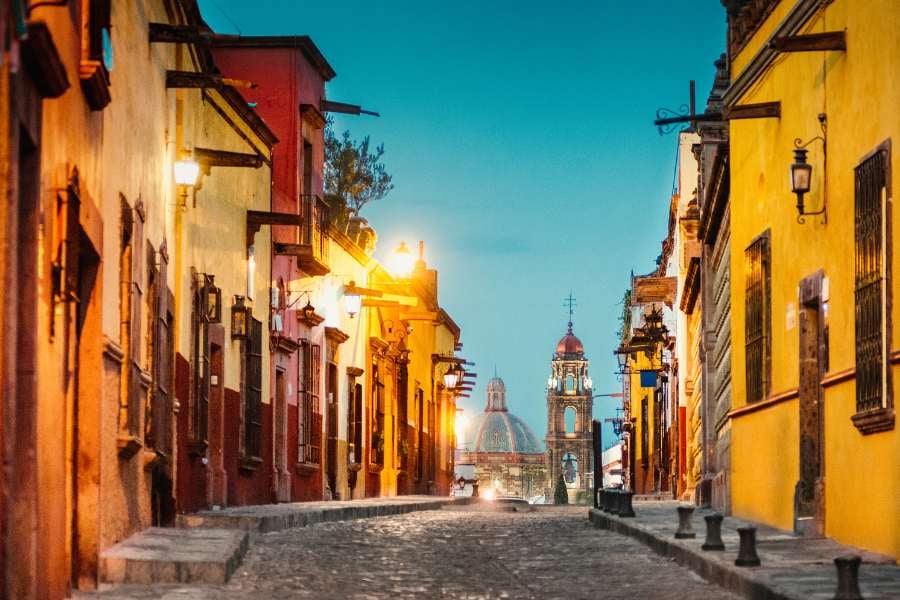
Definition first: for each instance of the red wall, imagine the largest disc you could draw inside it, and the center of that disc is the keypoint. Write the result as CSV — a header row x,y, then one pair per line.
x,y
247,486
190,482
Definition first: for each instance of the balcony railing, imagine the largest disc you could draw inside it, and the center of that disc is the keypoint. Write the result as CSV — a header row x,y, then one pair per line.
x,y
312,251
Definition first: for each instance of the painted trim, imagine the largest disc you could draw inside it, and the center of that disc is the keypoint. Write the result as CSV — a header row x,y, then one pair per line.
x,y
836,377
763,404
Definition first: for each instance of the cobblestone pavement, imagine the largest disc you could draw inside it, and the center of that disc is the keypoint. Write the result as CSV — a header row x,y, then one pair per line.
x,y
457,552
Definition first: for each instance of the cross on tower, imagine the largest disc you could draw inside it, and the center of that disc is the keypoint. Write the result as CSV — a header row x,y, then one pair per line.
x,y
570,304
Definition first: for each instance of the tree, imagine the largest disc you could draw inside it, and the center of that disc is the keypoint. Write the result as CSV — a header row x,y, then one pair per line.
x,y
354,175
560,494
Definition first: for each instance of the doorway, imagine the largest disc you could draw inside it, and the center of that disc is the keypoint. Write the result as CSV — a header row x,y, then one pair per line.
x,y
809,493
331,427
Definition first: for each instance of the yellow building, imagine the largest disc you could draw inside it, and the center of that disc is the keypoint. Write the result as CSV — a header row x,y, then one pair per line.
x,y
815,446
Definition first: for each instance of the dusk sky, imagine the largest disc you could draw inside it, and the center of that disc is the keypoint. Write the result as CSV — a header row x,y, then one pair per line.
x,y
521,144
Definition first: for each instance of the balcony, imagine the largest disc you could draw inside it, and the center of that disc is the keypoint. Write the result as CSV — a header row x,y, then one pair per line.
x,y
312,251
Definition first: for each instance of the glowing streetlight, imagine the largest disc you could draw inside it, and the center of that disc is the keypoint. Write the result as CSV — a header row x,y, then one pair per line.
x,y
401,261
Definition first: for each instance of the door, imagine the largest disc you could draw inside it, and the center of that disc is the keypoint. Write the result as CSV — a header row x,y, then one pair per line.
x,y
809,494
332,431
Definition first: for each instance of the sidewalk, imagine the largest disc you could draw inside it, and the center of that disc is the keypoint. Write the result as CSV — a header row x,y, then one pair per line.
x,y
207,547
792,567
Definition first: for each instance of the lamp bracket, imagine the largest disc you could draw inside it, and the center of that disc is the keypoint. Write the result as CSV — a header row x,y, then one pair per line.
x,y
799,144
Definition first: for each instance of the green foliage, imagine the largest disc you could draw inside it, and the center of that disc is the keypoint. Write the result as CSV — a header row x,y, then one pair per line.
x,y
582,497
625,317
560,494
354,175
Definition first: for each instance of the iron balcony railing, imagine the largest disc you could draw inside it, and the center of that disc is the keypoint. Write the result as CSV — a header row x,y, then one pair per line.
x,y
314,233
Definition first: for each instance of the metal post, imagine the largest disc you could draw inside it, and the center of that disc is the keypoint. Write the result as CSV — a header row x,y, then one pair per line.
x,y
598,459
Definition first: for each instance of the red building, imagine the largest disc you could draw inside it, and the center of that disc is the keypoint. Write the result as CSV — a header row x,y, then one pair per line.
x,y
290,75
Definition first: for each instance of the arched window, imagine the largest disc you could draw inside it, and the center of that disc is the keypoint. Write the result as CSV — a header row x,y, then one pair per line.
x,y
569,416
570,383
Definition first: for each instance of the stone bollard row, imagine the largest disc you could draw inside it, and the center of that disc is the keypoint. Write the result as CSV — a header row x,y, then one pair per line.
x,y
847,566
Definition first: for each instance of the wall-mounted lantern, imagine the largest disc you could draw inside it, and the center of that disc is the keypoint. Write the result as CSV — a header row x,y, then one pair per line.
x,y
186,171
451,377
212,299
239,318
352,300
801,172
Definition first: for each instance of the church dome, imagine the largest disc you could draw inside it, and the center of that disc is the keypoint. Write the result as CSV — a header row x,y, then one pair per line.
x,y
497,429
569,344
501,431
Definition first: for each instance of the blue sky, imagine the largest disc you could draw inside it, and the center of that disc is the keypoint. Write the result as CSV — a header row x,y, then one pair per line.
x,y
520,140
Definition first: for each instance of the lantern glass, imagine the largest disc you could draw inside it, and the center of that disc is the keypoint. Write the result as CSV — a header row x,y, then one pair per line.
x,y
451,378
186,172
352,304
309,311
801,172
238,318
622,359
213,304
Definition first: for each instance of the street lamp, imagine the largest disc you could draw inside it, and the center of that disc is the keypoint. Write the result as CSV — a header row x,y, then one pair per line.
x,y
352,300
402,261
186,171
451,377
801,171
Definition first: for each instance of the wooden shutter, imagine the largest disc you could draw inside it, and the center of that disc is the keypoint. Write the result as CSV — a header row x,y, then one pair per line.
x,y
136,390
253,401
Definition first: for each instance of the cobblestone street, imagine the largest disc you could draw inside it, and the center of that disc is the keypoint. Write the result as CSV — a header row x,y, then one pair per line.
x,y
456,552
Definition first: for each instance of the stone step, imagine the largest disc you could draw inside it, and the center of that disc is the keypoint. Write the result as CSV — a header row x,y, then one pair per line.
x,y
275,517
174,555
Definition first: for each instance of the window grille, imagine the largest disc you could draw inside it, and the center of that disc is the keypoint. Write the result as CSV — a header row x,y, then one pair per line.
x,y
757,319
199,408
310,432
253,389
870,290
130,294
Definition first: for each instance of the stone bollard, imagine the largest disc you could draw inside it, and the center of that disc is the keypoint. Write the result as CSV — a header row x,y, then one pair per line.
x,y
848,578
747,556
627,510
475,489
713,532
685,529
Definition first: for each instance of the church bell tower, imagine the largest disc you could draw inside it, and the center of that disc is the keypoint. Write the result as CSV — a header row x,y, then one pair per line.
x,y
569,414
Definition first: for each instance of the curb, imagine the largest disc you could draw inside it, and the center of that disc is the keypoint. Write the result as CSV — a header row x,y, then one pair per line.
x,y
286,518
736,579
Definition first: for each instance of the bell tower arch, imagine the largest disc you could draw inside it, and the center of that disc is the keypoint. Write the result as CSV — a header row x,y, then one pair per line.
x,y
569,415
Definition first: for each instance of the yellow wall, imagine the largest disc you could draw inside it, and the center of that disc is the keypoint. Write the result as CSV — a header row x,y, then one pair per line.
x,y
860,92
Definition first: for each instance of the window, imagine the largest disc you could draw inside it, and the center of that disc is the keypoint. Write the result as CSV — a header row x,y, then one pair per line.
x,y
377,425
871,293
420,441
310,437
160,353
645,433
404,434
253,390
354,420
199,405
757,319
130,294
570,384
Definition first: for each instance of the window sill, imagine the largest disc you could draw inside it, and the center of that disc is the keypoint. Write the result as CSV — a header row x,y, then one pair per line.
x,y
306,468
128,445
374,468
250,463
874,421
